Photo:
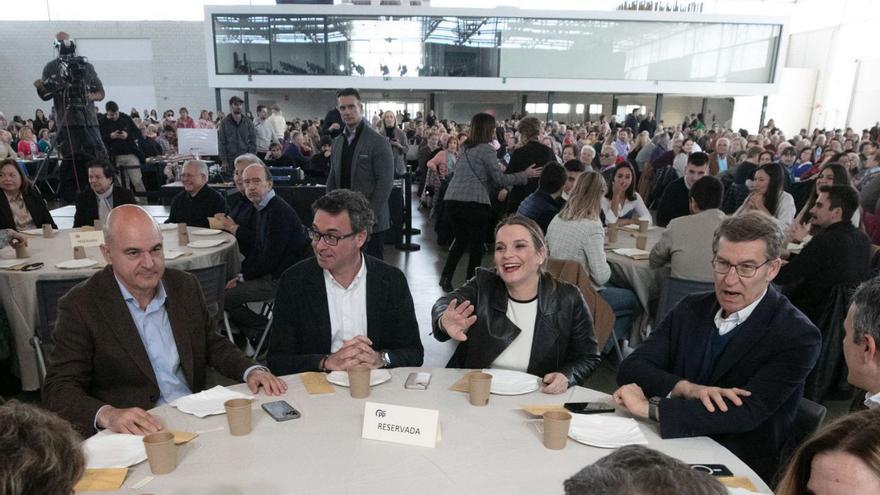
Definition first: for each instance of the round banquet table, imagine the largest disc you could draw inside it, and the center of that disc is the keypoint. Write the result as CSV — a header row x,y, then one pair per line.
x,y
18,290
483,450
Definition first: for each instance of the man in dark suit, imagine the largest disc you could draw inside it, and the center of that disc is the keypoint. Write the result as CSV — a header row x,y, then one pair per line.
x,y
96,203
197,201
240,219
744,350
675,201
361,160
342,308
279,241
840,255
136,335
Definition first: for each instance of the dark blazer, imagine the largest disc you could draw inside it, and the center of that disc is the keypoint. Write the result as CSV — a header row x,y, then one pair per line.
x,y
99,358
285,241
674,203
35,205
195,210
301,327
840,255
531,153
87,204
564,341
241,210
770,355
372,171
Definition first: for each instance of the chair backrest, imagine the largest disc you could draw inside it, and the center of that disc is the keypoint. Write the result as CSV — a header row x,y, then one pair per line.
x,y
807,419
48,294
676,289
213,283
574,273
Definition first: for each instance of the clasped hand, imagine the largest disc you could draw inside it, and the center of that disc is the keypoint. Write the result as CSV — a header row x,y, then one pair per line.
x,y
352,353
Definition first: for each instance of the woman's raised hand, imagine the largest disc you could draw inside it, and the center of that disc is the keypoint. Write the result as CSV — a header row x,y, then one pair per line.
x,y
457,319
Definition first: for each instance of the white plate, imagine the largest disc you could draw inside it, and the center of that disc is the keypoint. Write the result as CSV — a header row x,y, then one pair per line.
x,y
341,377
76,264
207,243
208,402
116,450
36,231
605,431
508,382
173,254
167,226
205,232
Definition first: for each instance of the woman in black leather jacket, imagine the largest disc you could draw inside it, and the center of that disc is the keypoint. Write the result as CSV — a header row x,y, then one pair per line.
x,y
518,317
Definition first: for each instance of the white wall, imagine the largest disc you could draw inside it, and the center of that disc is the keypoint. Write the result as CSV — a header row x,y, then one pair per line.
x,y
747,113
792,107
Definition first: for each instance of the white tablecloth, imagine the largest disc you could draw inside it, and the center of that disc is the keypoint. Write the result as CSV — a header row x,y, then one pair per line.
x,y
484,450
18,291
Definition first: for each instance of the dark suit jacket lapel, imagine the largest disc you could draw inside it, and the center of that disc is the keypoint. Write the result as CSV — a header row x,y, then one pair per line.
x,y
378,292
176,307
748,335
316,295
358,147
695,343
118,318
336,157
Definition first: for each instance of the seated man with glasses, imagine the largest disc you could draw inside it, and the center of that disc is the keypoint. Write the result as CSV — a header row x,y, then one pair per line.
x,y
342,308
730,364
197,201
278,243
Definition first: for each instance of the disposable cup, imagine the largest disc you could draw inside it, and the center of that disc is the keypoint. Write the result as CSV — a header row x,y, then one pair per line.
x,y
161,452
479,387
556,424
359,382
238,414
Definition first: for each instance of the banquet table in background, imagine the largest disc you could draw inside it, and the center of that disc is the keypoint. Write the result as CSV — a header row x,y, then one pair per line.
x,y
64,215
637,275
483,450
18,291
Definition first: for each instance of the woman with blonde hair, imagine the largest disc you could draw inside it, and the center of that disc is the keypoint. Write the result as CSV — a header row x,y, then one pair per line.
x,y
576,233
542,325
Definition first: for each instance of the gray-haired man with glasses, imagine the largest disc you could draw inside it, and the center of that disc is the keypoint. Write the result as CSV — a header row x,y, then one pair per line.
x,y
730,364
343,308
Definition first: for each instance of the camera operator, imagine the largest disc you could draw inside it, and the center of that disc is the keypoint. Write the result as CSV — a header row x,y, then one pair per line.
x,y
72,83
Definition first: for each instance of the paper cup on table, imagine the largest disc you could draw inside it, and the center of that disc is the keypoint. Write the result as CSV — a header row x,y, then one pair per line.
x,y
215,223
161,452
47,231
79,253
181,228
612,233
641,241
98,224
359,382
238,413
643,226
556,424
21,251
479,386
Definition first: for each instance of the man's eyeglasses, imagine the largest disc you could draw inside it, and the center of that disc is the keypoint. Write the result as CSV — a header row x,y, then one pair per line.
x,y
745,270
329,239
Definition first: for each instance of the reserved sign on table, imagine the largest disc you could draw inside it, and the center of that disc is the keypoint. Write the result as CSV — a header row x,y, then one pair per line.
x,y
401,424
87,239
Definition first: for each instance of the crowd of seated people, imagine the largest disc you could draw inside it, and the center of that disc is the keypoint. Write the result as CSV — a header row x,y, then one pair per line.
x,y
730,364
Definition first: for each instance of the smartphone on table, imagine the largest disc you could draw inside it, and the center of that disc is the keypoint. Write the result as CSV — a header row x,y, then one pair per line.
x,y
589,407
280,410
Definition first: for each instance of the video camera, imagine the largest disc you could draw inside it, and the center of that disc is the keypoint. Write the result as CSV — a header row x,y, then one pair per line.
x,y
70,77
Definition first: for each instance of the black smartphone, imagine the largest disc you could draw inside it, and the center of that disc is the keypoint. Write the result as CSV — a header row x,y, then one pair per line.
x,y
713,469
589,407
280,410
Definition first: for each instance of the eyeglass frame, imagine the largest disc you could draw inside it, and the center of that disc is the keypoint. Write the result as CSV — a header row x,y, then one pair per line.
x,y
736,267
316,236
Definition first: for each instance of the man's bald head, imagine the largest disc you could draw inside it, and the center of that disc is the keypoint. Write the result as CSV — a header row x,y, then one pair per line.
x,y
127,217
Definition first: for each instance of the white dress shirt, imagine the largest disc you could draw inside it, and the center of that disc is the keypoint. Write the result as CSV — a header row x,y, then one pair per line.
x,y
872,401
347,306
733,320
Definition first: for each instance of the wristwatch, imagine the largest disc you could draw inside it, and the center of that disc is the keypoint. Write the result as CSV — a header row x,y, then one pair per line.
x,y
386,359
653,404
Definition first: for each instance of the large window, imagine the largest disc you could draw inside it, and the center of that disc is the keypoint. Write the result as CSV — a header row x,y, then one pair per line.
x,y
499,47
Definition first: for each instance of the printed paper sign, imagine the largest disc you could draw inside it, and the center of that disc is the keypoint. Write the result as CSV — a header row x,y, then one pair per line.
x,y
87,239
401,424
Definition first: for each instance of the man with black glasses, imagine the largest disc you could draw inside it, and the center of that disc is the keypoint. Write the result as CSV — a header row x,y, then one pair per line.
x,y
342,308
729,364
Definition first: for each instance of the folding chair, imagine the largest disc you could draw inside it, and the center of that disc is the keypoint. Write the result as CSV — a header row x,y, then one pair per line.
x,y
213,283
267,312
48,293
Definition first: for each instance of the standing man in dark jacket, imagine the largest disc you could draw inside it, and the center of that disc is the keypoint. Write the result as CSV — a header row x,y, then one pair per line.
x,y
279,243
236,134
361,160
532,152
121,137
